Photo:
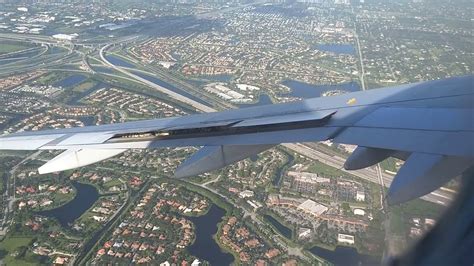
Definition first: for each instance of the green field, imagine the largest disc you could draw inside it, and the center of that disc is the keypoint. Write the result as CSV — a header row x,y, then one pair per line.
x,y
9,48
326,170
84,86
13,246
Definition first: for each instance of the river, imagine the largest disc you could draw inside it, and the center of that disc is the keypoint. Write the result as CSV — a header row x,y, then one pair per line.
x,y
204,246
86,196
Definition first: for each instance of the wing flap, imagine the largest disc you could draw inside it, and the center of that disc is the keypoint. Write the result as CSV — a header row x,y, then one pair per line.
x,y
428,119
288,118
437,142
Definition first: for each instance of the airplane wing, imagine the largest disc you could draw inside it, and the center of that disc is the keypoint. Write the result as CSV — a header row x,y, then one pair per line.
x,y
428,124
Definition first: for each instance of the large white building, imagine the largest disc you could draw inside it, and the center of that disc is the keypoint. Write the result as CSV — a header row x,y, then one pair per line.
x,y
312,207
346,239
360,196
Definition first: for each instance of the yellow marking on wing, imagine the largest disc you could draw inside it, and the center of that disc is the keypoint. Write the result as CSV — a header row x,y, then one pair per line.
x,y
351,101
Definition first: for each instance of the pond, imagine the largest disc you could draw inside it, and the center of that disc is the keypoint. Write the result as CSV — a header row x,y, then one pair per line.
x,y
344,256
285,231
305,90
86,196
204,246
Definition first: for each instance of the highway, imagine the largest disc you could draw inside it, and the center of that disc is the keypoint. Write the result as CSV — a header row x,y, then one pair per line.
x,y
172,94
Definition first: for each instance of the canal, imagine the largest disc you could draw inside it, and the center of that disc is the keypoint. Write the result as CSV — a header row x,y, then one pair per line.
x,y
285,231
86,196
205,246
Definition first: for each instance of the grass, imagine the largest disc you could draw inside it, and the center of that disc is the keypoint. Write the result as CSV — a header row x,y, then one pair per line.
x,y
326,170
6,48
111,183
84,86
11,244
389,164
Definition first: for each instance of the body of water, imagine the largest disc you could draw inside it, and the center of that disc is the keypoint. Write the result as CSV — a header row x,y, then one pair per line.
x,y
70,81
262,100
344,256
285,231
115,60
337,48
305,90
86,196
204,246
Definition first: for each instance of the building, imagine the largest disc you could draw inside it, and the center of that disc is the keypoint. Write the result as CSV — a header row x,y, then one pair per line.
x,y
307,182
359,212
65,37
246,194
345,239
304,233
360,196
312,207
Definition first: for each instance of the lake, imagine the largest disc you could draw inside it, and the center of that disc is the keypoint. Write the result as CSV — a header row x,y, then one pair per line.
x,y
86,196
344,256
304,90
285,231
204,246
70,81
336,48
